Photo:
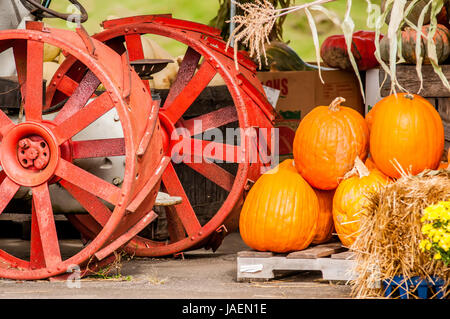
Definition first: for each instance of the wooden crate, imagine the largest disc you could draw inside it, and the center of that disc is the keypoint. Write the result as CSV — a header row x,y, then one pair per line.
x,y
433,89
332,259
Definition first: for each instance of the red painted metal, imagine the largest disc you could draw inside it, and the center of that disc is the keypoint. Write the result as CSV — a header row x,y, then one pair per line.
x,y
250,110
48,146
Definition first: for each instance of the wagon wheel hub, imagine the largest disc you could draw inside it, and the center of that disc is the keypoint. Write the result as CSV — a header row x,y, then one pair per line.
x,y
33,152
30,153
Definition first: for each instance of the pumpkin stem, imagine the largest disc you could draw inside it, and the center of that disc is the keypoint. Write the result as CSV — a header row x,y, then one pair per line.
x,y
361,168
409,96
358,169
335,105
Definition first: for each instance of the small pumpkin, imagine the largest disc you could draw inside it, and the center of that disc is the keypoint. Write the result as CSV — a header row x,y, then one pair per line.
x,y
415,12
334,51
350,200
406,131
279,213
325,224
369,117
408,38
326,143
288,164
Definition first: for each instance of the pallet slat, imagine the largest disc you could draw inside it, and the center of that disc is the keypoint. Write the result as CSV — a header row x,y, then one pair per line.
x,y
317,251
333,260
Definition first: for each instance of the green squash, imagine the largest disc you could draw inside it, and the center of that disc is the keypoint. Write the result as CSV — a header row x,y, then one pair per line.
x,y
281,57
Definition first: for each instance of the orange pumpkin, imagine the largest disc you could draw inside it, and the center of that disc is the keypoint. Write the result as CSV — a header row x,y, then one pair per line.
x,y
288,164
350,199
279,213
327,142
408,132
325,224
408,45
370,164
369,118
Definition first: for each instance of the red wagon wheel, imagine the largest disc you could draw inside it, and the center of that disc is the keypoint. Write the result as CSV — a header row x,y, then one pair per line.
x,y
206,56
37,152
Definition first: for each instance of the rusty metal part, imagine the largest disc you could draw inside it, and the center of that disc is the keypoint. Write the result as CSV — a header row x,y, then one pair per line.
x,y
41,11
33,152
206,56
50,147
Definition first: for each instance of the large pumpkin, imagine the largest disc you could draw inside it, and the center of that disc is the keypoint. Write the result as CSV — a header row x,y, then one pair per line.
x,y
408,38
406,131
325,224
327,142
350,200
280,212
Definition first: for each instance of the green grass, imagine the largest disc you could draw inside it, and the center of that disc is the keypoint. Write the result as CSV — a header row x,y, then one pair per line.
x,y
296,28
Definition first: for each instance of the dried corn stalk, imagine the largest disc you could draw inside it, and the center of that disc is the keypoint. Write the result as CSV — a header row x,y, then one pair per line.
x,y
254,26
223,15
399,12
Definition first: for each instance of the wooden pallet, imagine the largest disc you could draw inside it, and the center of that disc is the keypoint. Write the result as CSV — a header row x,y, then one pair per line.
x,y
332,259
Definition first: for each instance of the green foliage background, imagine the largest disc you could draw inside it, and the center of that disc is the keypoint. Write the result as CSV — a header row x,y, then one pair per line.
x,y
296,28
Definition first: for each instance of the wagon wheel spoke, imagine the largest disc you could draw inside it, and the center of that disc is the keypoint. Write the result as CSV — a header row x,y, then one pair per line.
x,y
20,58
29,57
5,124
135,50
211,120
79,97
192,148
185,73
36,252
90,203
87,181
98,148
134,46
117,45
44,229
7,191
67,85
214,173
184,210
174,109
81,119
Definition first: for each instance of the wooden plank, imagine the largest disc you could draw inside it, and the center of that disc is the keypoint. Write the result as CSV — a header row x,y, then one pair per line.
x,y
255,254
347,255
337,269
407,77
317,251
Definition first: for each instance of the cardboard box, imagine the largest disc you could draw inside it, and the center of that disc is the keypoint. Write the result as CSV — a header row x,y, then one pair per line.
x,y
301,91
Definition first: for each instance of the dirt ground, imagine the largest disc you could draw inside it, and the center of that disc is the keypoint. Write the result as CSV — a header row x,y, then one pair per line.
x,y
201,274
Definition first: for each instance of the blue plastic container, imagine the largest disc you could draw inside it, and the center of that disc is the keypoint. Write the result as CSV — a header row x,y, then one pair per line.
x,y
423,287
